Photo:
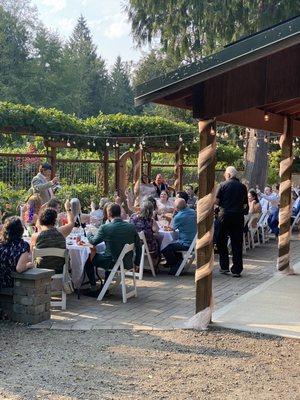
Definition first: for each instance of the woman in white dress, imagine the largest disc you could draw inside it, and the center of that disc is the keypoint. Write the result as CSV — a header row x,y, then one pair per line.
x,y
165,204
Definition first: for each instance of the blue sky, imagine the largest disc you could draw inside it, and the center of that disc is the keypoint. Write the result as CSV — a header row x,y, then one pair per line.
x,y
107,22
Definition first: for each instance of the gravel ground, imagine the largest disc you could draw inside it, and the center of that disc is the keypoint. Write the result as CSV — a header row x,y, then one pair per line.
x,y
216,364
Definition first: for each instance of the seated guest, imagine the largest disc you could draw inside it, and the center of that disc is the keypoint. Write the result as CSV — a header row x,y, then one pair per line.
x,y
164,204
31,211
14,251
105,212
296,204
183,195
50,236
185,222
192,199
145,222
272,207
159,184
80,219
115,234
118,200
56,204
253,201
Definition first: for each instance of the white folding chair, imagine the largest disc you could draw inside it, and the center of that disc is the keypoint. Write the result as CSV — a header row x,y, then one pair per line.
x,y
188,257
118,269
57,278
253,230
145,252
296,220
263,227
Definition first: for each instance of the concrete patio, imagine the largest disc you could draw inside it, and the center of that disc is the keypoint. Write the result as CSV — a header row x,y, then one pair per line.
x,y
167,302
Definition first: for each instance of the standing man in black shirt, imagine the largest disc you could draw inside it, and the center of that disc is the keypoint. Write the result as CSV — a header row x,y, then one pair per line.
x,y
233,202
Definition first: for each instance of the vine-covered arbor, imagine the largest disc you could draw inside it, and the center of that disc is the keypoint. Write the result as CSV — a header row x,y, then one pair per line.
x,y
255,83
115,138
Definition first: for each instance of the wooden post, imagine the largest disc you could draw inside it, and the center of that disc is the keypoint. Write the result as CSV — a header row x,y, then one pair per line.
x,y
53,161
105,172
117,168
286,144
137,173
205,214
149,166
178,169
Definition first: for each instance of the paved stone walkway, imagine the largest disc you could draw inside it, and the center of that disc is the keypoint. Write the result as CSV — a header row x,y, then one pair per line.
x,y
166,302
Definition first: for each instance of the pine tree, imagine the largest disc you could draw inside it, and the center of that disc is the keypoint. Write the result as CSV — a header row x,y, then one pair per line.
x,y
85,74
122,97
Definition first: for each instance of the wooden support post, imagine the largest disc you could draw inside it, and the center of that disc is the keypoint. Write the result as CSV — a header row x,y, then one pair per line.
x,y
53,161
137,173
105,172
178,169
117,169
286,144
149,166
205,214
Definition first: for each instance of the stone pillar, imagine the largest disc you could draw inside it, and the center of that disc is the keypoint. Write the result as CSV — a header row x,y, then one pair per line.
x,y
32,295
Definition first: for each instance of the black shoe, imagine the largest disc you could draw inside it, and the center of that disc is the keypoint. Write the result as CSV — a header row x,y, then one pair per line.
x,y
236,275
224,271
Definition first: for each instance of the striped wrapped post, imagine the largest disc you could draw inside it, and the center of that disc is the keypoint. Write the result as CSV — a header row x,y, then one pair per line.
x,y
205,223
105,172
285,172
137,174
178,169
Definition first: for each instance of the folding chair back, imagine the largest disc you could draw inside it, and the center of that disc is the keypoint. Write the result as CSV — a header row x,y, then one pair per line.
x,y
296,220
119,268
55,252
188,257
145,252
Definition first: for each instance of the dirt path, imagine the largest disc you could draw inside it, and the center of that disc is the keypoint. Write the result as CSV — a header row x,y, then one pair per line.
x,y
218,364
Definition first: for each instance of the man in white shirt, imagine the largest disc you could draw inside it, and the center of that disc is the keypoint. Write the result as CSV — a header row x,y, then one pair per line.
x,y
272,205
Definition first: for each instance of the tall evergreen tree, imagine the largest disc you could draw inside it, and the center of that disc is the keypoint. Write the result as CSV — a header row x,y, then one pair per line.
x,y
122,98
85,74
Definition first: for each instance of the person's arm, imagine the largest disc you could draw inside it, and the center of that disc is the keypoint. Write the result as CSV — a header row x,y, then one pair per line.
x,y
23,263
245,201
176,222
65,230
98,237
218,195
38,185
33,240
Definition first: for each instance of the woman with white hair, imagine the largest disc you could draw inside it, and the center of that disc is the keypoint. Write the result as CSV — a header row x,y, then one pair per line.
x,y
80,219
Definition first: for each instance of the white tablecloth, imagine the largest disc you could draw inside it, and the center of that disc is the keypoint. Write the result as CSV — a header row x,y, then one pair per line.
x,y
78,257
167,237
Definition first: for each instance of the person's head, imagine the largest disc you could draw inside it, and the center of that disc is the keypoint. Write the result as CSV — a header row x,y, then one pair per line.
x,y
34,203
145,179
46,169
48,217
75,206
153,201
12,230
252,196
189,190
182,195
54,203
230,173
179,204
102,202
114,211
146,210
245,182
268,190
164,196
159,179
105,210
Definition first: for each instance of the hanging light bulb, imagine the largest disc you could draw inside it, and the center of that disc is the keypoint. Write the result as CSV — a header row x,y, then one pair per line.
x,y
266,139
266,117
141,146
241,137
166,143
212,131
94,144
294,144
258,145
255,135
117,144
217,134
186,148
225,135
74,142
143,142
244,144
68,143
180,139
88,143
107,143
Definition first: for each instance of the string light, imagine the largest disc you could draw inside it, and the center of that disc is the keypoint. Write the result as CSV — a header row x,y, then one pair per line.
x,y
266,117
266,139
212,131
241,137
107,144
186,148
68,143
258,145
94,144
117,144
166,143
255,135
141,146
180,139
88,143
225,135
143,142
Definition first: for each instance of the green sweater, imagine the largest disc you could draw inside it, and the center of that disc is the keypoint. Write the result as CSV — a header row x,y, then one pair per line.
x,y
115,235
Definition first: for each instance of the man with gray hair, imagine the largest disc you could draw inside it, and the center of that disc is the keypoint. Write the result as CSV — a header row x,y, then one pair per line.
x,y
232,200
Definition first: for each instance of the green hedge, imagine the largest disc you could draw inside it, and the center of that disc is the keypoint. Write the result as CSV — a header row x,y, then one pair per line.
x,y
45,122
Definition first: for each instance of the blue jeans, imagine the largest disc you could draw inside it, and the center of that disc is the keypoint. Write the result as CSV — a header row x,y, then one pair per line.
x,y
172,256
273,222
